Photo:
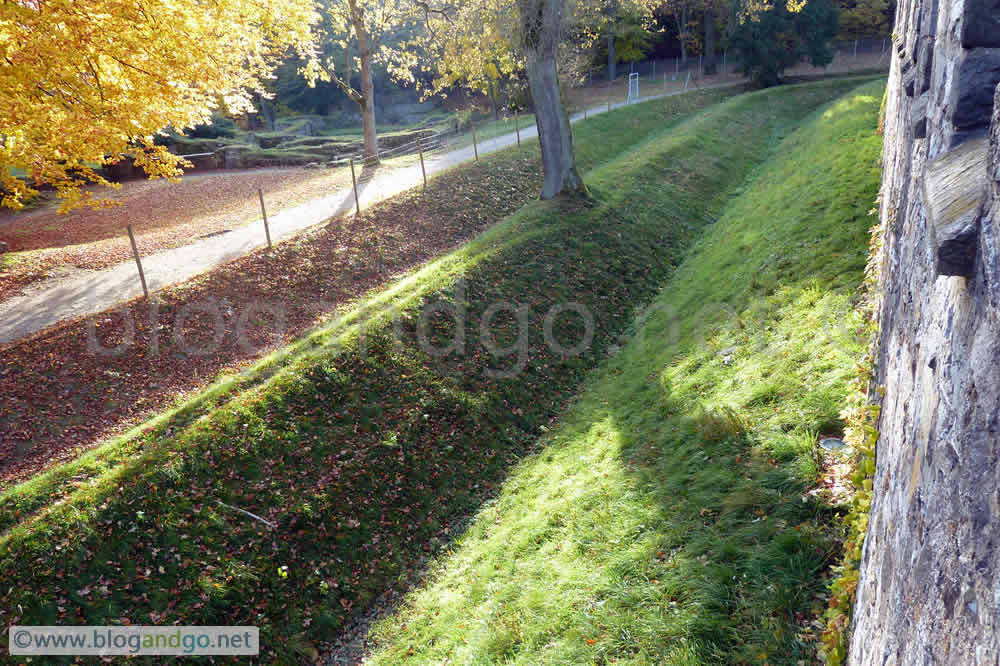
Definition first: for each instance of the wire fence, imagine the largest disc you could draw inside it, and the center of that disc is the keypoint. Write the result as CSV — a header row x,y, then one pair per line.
x,y
638,82
728,62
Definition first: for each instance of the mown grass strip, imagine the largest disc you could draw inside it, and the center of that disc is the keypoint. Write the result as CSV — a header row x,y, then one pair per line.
x,y
32,381
666,519
362,450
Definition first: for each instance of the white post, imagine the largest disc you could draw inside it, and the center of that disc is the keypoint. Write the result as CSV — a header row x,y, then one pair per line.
x,y
855,49
687,79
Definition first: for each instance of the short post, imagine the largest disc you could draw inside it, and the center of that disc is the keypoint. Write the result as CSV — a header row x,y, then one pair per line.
x,y
724,52
664,82
263,211
677,66
354,180
475,148
138,263
517,126
609,101
855,49
687,80
420,148
584,113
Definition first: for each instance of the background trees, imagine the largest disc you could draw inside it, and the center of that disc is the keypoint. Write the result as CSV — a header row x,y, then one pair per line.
x,y
366,27
477,42
772,37
86,83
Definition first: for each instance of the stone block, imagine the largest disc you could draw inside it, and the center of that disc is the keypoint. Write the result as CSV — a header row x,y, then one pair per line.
x,y
954,187
981,24
976,78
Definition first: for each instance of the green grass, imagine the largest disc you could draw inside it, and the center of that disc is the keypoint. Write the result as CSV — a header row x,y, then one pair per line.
x,y
489,129
663,521
362,451
623,129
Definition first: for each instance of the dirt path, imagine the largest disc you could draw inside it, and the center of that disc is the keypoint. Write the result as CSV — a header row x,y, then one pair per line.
x,y
76,295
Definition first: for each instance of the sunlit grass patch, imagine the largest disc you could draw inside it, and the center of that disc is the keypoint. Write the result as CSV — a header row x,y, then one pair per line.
x,y
666,518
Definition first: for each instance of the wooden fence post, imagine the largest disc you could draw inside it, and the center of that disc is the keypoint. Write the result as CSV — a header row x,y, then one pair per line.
x,y
475,148
263,211
517,126
138,263
354,179
422,169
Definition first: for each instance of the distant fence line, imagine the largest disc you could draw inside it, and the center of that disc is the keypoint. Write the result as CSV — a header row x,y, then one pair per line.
x,y
727,61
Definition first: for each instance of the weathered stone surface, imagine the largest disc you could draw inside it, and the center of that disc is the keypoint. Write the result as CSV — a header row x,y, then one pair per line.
x,y
982,24
955,186
978,74
929,591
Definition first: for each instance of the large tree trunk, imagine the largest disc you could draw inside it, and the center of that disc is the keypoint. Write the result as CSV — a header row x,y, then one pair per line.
x,y
709,61
366,101
541,21
554,134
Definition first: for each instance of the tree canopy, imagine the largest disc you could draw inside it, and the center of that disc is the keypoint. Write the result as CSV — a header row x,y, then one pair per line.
x,y
89,83
773,35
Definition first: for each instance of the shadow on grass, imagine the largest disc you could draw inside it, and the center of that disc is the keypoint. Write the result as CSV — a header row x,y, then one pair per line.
x,y
362,459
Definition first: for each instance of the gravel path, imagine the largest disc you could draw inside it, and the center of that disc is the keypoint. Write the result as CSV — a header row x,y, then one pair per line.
x,y
48,303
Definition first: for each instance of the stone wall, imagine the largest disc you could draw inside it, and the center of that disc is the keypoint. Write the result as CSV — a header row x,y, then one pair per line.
x,y
930,581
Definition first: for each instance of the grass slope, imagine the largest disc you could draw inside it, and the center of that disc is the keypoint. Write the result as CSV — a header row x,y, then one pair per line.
x,y
318,265
665,520
363,452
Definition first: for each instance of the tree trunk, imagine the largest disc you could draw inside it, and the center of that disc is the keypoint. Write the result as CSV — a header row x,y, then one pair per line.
x,y
266,114
368,106
541,23
367,99
554,134
612,56
709,61
493,99
683,31
612,26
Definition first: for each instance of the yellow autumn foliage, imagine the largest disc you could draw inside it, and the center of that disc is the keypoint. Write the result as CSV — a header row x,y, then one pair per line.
x,y
86,83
